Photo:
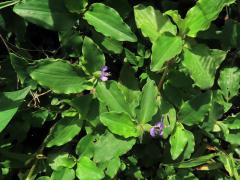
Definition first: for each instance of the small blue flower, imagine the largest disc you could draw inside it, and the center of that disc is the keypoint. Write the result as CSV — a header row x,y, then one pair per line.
x,y
157,129
104,74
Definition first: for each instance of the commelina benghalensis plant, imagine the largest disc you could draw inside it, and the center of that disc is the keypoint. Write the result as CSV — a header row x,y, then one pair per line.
x,y
119,89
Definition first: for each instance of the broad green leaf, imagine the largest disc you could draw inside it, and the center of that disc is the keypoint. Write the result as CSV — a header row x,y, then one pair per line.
x,y
148,104
8,3
87,170
59,76
152,22
229,164
229,82
202,63
195,161
202,14
85,146
50,14
111,95
110,146
76,6
178,140
82,104
9,103
64,131
166,47
107,44
120,124
58,161
189,149
194,110
113,167
108,22
93,56
130,87
63,174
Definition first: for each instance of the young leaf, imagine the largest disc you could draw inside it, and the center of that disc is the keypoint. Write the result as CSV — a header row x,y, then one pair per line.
x,y
166,47
151,22
64,131
110,146
93,56
120,124
59,161
59,76
87,169
48,14
148,104
229,82
194,110
178,140
202,63
108,22
202,14
111,95
9,105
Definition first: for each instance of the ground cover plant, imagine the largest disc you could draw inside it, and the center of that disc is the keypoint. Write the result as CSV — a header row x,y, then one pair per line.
x,y
119,89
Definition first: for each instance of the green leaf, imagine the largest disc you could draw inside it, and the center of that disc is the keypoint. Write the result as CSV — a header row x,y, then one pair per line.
x,y
166,47
189,149
152,22
8,3
87,170
59,76
130,87
108,22
148,104
178,141
64,131
63,174
229,82
93,56
50,14
194,110
233,122
169,122
113,167
9,103
195,161
82,104
76,6
110,146
229,164
111,95
120,124
202,14
202,63
58,161
108,44
85,146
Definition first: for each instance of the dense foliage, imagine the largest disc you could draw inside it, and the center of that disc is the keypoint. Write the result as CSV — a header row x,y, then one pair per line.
x,y
119,89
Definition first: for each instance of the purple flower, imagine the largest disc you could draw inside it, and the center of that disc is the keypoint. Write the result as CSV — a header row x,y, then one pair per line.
x,y
157,129
104,74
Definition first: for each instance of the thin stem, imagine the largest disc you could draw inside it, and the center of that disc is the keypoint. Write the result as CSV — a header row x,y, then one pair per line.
x,y
39,152
160,84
